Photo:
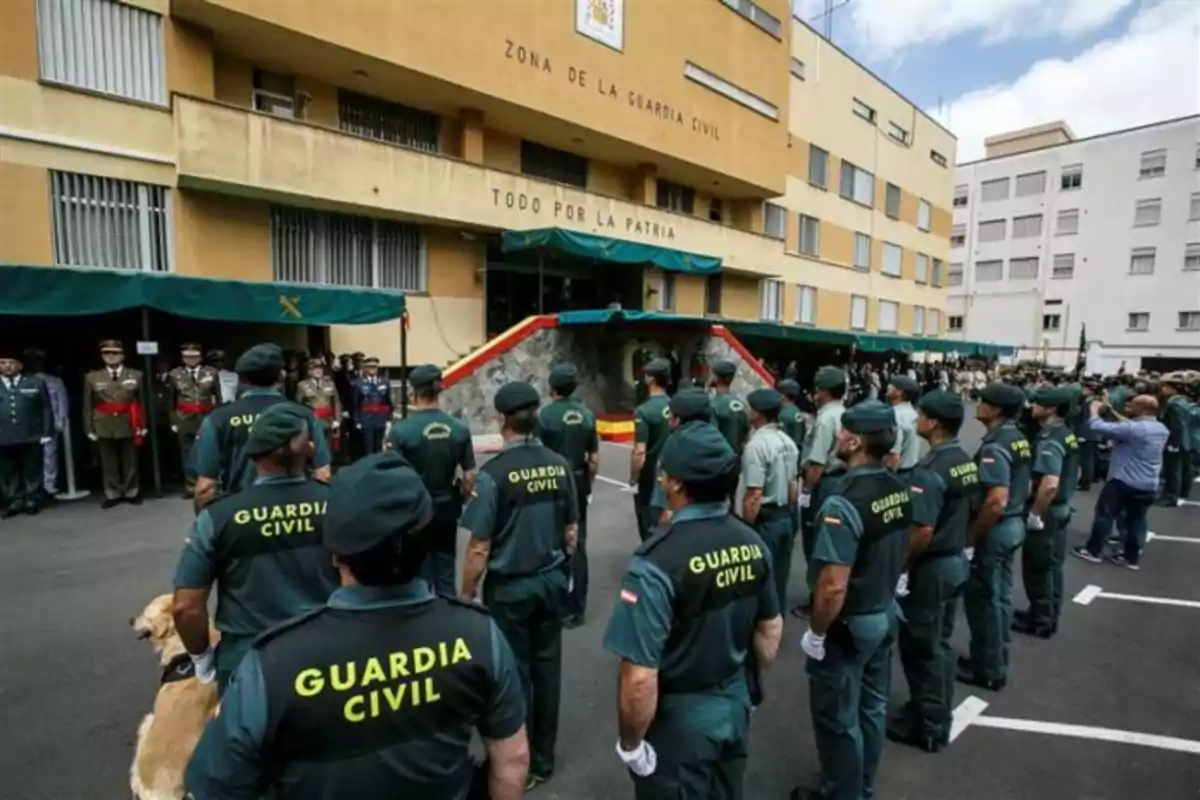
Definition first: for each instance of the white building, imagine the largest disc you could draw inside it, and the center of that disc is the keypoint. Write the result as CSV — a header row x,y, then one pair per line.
x,y
1052,233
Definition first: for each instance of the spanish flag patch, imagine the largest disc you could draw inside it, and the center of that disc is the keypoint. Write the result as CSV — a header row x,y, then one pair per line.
x,y
832,521
629,596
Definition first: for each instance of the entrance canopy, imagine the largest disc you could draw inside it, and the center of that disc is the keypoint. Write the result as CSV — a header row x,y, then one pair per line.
x,y
67,291
604,248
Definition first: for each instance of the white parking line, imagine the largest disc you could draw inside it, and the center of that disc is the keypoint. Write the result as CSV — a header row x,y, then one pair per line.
x,y
1087,595
967,712
1176,539
620,484
1091,592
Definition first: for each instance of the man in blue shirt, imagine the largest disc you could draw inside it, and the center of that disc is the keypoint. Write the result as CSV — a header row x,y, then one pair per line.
x,y
1133,474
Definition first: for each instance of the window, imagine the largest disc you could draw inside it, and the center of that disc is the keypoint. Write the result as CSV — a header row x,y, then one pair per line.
x,y
1028,227
716,210
1051,322
897,133
992,230
798,68
1064,266
102,46
1194,208
889,314
361,115
924,211
666,292
105,222
1031,183
892,255
986,271
1139,321
1023,268
958,235
810,235
560,166
712,293
863,110
922,275
956,275
1147,212
961,195
933,322
770,300
891,201
806,309
1141,261
1154,164
757,15
1197,155
858,312
991,191
775,221
862,251
341,250
937,272
1191,255
674,197
937,158
730,92
1071,177
857,185
918,321
818,166
1067,223
275,94
1189,320
954,323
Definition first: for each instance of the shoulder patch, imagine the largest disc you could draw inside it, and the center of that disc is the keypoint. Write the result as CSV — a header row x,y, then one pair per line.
x,y
271,633
736,405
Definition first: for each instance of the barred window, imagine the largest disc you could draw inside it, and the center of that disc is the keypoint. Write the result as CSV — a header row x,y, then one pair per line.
x,y
105,222
341,250
102,46
1023,268
993,190
362,115
986,271
1028,227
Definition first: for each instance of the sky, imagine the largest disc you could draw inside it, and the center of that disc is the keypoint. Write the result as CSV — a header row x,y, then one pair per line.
x,y
982,67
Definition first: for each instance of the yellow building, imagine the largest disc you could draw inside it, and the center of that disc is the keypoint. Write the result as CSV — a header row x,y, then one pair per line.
x,y
390,143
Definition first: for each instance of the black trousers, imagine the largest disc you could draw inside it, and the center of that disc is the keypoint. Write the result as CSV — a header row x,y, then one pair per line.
x,y
1172,476
1087,465
20,475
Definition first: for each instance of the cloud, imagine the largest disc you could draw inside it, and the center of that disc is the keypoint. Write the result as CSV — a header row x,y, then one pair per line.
x,y
1150,72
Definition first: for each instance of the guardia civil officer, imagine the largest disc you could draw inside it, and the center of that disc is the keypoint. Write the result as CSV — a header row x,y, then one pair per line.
x,y
651,426
440,449
372,696
696,602
862,538
568,427
1175,416
689,405
523,521
902,392
218,458
372,407
996,531
944,489
791,418
26,426
193,390
262,547
768,484
729,411
1055,472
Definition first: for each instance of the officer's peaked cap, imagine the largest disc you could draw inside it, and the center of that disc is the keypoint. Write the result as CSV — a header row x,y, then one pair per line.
x,y
373,500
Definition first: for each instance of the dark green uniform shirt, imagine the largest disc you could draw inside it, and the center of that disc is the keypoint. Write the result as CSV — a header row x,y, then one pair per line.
x,y
945,489
438,446
731,419
26,414
568,427
523,502
1004,459
794,425
372,697
1057,453
1176,417
651,422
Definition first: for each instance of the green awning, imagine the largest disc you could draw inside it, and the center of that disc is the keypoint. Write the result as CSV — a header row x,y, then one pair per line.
x,y
865,342
606,315
67,291
605,248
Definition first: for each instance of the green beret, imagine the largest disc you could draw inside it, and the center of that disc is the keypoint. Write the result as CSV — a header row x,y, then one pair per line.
x,y
260,358
1002,395
424,376
658,368
906,385
373,500
516,396
869,416
274,428
564,376
942,405
788,388
829,378
765,400
697,452
691,404
1053,396
724,369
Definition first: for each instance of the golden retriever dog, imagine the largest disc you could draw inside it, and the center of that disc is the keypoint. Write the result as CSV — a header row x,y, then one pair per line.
x,y
168,735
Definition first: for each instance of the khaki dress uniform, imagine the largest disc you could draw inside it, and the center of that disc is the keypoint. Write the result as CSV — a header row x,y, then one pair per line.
x,y
193,393
321,395
113,419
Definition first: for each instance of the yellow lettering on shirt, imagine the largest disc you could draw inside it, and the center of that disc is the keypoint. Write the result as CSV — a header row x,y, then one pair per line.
x,y
539,479
282,520
729,565
890,507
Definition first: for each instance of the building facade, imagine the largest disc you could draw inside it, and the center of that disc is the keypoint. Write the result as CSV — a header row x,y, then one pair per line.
x,y
390,145
1057,238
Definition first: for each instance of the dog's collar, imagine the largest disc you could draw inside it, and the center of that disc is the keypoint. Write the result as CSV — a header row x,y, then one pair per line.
x,y
179,668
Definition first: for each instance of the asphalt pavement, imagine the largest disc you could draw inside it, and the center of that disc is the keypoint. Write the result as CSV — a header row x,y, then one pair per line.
x,y
1124,671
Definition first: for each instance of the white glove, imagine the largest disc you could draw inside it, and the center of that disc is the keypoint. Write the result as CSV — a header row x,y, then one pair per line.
x,y
174,429
336,424
358,426
969,552
143,431
804,500
813,645
93,437
206,665
902,585
45,440
641,760
1171,449
1034,523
